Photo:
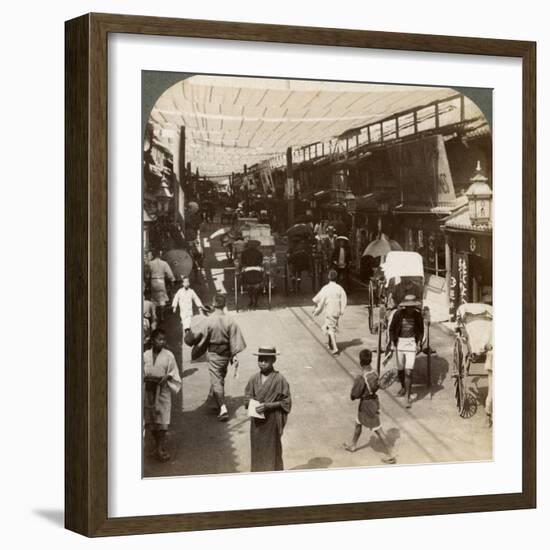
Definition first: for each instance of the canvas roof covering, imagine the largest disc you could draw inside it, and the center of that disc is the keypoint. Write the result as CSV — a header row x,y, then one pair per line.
x,y
233,121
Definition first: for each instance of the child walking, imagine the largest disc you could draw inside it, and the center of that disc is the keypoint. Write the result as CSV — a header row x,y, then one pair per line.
x,y
184,299
364,388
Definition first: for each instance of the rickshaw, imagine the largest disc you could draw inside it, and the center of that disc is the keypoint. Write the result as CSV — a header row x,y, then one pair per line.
x,y
261,275
375,253
303,255
474,324
403,275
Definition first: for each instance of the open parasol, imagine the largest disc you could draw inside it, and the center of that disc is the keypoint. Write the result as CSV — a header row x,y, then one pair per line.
x,y
381,247
180,262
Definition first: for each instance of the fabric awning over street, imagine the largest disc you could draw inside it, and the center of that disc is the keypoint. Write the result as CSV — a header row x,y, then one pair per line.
x,y
233,121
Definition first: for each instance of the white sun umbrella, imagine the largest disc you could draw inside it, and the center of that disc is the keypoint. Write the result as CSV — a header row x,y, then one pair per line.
x,y
379,247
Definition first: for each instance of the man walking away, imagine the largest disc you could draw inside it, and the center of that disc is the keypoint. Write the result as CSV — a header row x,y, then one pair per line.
x,y
220,336
268,419
332,300
364,388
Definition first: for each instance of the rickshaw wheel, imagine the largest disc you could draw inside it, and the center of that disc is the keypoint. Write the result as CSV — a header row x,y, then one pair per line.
x,y
460,390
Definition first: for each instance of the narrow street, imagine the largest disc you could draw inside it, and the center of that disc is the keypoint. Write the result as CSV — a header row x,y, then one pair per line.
x,y
322,416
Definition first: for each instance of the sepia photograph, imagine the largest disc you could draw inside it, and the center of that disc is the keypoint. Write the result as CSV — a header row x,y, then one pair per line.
x,y
317,274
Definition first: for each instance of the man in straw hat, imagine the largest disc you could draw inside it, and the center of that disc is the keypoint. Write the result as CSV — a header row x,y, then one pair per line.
x,y
268,401
406,331
221,338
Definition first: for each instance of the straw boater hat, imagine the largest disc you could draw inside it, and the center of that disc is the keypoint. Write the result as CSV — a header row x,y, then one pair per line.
x,y
410,300
267,350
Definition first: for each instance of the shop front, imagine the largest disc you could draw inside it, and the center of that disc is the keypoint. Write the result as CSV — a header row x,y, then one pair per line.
x,y
470,236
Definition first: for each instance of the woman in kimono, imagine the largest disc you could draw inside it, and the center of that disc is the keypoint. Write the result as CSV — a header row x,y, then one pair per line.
x,y
160,379
270,388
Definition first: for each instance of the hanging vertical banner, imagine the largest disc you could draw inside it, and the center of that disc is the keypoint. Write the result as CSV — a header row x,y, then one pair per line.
x,y
463,278
453,288
459,287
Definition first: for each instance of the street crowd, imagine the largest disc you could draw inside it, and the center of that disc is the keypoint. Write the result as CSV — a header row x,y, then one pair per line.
x,y
209,331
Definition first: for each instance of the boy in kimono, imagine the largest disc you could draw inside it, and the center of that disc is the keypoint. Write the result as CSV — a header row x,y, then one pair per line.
x,y
364,388
160,379
270,388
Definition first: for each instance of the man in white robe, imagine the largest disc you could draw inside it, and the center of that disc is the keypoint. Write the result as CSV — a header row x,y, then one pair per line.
x,y
332,300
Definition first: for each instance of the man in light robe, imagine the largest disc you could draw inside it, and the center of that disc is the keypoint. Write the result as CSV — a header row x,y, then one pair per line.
x,y
184,298
332,300
220,337
160,379
272,392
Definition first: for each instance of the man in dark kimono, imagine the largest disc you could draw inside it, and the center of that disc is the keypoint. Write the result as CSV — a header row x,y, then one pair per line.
x,y
271,390
220,337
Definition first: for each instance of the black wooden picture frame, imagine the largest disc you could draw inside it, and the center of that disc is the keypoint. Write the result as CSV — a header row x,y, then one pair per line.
x,y
86,282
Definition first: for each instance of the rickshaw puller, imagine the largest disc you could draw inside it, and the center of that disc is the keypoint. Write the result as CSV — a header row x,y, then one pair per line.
x,y
406,333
